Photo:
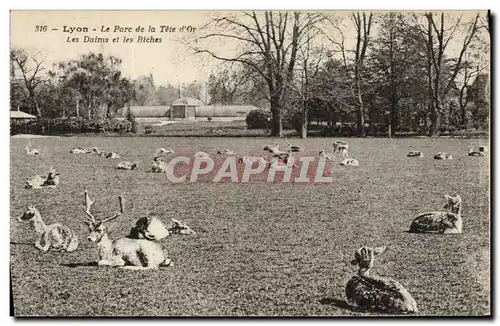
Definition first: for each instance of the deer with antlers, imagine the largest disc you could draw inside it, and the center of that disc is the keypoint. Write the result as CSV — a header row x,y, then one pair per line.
x,y
133,254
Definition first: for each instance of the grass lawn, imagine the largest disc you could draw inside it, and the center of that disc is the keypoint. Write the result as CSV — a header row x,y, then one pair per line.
x,y
260,249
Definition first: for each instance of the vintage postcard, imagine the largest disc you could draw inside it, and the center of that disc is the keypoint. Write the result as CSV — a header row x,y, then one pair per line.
x,y
250,163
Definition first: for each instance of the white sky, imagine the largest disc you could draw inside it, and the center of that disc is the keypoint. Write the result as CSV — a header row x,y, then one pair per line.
x,y
168,61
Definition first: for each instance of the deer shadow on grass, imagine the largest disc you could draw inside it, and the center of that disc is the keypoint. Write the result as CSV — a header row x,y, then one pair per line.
x,y
81,264
22,243
340,304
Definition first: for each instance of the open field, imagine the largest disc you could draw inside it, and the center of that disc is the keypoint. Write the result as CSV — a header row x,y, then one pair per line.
x,y
260,249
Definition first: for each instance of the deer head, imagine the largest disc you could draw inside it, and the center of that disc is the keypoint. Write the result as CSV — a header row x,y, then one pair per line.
x,y
28,214
365,256
96,226
453,204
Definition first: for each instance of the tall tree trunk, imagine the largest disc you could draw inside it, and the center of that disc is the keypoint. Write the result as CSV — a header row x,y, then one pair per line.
x,y
303,132
435,118
276,123
38,111
77,107
108,111
361,109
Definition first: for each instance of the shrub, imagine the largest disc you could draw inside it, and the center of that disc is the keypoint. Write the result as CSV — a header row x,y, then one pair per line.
x,y
18,127
259,119
71,125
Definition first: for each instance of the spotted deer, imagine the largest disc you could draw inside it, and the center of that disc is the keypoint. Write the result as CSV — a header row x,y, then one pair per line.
x,y
127,253
55,236
374,293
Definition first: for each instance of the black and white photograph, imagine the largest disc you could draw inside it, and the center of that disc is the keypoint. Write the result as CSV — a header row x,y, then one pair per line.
x,y
250,163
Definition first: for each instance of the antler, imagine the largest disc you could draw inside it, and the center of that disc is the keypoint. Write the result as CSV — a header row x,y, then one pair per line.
x,y
120,199
88,205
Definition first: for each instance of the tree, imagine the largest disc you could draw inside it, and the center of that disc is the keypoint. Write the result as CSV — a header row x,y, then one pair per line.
x,y
193,89
395,60
309,60
145,92
167,94
436,38
237,84
267,42
28,69
363,26
96,81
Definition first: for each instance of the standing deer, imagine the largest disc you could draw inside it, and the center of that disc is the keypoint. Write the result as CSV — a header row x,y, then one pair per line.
x,y
133,254
341,147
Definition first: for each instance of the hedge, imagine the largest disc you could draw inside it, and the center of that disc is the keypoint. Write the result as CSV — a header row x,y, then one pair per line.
x,y
259,119
71,125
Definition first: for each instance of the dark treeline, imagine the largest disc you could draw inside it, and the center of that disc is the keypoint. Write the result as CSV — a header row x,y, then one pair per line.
x,y
422,72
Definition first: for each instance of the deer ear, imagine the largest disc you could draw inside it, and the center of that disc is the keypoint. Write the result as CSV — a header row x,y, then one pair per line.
x,y
363,251
379,250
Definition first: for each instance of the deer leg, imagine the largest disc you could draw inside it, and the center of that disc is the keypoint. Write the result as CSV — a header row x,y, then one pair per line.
x,y
118,262
38,245
46,242
167,263
104,262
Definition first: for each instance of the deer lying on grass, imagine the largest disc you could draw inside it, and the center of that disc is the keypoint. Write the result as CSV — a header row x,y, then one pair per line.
x,y
78,150
33,151
133,254
443,156
158,165
36,182
447,222
250,160
472,152
127,165
349,162
151,228
50,181
56,236
294,148
112,155
225,151
415,154
274,148
373,293
179,227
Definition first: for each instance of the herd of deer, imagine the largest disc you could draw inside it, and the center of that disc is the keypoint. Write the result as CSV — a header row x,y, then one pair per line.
x,y
141,250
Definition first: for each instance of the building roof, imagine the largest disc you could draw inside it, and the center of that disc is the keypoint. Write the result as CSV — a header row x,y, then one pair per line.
x,y
189,101
219,111
21,115
147,111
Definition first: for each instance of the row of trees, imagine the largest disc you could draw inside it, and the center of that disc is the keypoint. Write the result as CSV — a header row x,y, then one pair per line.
x,y
419,71
408,71
91,86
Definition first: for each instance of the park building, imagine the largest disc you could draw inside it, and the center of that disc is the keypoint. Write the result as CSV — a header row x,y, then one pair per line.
x,y
187,109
